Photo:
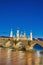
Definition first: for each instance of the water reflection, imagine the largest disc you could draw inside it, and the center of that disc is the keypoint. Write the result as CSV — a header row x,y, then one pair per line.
x,y
0,55
38,57
8,57
22,58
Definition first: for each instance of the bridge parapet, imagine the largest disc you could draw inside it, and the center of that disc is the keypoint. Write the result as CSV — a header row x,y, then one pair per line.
x,y
37,42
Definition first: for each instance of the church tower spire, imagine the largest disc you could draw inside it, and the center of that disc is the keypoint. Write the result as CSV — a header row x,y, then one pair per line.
x,y
31,35
17,34
11,33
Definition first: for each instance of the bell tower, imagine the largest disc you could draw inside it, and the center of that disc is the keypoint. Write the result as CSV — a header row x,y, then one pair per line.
x,y
11,33
17,34
31,35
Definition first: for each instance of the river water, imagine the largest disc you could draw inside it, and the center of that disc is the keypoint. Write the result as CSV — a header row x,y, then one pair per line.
x,y
9,57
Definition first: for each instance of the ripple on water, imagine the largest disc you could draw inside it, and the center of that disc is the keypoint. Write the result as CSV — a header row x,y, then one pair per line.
x,y
8,57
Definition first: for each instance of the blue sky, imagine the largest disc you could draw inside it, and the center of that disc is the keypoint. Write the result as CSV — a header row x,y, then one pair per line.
x,y
26,15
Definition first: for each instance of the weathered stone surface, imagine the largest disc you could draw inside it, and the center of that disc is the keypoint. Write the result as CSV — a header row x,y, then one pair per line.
x,y
20,43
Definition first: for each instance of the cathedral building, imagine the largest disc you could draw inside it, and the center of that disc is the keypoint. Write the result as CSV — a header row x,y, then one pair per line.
x,y
20,35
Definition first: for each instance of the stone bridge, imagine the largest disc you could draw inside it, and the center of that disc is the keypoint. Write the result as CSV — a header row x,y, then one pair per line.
x,y
18,42
37,42
29,42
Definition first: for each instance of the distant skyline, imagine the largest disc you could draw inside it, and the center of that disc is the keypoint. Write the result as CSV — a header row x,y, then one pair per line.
x,y
26,15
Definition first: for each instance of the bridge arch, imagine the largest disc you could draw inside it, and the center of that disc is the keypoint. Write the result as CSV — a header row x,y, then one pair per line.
x,y
19,44
37,46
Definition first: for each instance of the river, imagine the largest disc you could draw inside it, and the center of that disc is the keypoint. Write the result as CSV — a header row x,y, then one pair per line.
x,y
9,57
